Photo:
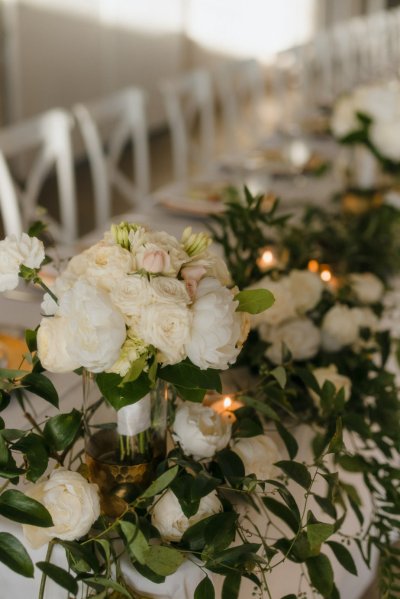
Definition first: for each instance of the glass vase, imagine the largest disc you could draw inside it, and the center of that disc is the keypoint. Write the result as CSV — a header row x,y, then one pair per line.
x,y
124,447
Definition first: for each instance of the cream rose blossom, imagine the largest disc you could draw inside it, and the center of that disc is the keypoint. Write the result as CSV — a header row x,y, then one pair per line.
x,y
51,343
306,288
283,307
216,327
72,502
367,287
167,515
299,335
258,455
200,431
15,251
339,328
94,329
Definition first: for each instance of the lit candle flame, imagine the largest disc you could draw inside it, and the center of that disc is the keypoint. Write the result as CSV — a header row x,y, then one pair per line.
x,y
267,257
313,266
326,275
227,402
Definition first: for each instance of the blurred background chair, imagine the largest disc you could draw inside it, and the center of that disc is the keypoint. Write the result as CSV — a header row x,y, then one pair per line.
x,y
189,107
35,147
107,126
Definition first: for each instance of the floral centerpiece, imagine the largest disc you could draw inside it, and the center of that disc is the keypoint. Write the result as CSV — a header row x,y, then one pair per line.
x,y
136,309
370,116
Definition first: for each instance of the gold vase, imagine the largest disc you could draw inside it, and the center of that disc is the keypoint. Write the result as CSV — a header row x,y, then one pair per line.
x,y
123,448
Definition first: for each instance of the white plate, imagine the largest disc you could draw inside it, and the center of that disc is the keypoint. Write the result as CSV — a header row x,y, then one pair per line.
x,y
191,198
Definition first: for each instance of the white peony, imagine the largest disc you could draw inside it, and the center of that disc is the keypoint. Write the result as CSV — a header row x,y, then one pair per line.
x,y
344,119
167,515
216,327
306,288
103,265
330,373
339,328
284,306
299,335
166,326
51,343
385,136
94,330
367,287
200,431
14,252
73,504
378,102
258,455
365,318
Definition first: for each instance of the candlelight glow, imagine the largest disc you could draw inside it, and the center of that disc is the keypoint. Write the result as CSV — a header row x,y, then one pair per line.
x,y
267,257
313,266
326,275
227,402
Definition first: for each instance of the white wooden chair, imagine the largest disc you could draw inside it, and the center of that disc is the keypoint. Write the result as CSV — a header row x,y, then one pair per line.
x,y
48,133
189,101
118,119
241,91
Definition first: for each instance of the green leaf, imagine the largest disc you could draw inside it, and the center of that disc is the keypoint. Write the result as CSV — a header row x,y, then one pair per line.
x,y
296,471
40,385
16,506
204,589
61,430
231,586
343,556
14,555
107,583
4,453
164,560
60,576
231,466
279,373
135,370
161,483
189,376
220,531
195,395
254,301
336,443
283,512
321,574
318,533
288,439
34,449
260,407
30,340
136,541
119,396
9,373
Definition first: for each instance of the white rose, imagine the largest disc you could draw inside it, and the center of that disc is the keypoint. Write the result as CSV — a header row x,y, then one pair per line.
x,y
306,288
379,102
330,373
95,330
258,455
129,294
365,318
167,289
385,136
167,515
344,119
166,326
299,335
284,306
216,327
14,252
200,431
103,265
339,328
73,504
367,287
51,342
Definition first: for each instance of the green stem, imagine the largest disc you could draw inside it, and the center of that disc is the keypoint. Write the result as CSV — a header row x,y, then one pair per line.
x,y
44,576
39,282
